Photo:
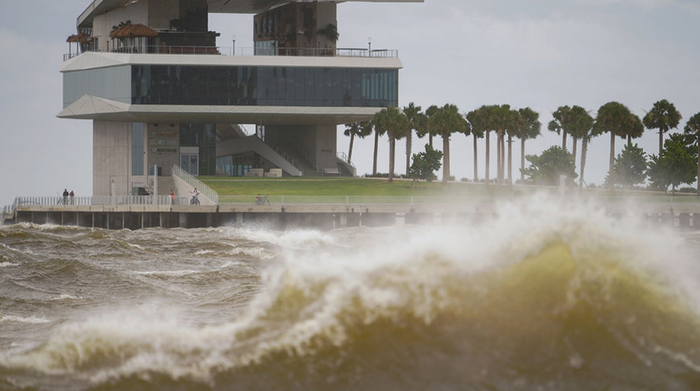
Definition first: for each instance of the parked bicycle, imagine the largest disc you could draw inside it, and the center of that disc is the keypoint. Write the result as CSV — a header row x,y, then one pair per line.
x,y
261,200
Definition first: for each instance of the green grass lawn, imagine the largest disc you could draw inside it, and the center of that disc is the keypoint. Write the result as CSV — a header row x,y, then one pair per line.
x,y
294,189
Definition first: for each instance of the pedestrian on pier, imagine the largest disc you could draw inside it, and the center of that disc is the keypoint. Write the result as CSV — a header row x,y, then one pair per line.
x,y
72,198
65,196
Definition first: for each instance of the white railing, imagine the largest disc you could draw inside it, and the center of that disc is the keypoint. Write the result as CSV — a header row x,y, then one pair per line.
x,y
455,200
99,200
245,51
194,182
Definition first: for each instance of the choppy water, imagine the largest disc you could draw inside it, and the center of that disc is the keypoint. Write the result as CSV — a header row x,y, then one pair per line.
x,y
547,297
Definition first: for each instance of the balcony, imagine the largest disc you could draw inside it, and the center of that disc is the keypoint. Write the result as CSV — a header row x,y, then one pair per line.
x,y
230,51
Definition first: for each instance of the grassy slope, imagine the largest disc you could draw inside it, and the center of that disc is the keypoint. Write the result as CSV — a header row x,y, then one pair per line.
x,y
244,189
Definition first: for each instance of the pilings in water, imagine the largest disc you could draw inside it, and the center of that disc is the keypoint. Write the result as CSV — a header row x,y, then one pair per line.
x,y
193,217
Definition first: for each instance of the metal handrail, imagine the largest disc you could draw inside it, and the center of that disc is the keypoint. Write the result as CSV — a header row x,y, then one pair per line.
x,y
194,182
238,51
97,200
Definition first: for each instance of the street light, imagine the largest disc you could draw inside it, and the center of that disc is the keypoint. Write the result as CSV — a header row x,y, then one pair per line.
x,y
369,44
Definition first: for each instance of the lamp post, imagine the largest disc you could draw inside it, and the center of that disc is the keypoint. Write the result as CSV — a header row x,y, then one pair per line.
x,y
233,50
369,45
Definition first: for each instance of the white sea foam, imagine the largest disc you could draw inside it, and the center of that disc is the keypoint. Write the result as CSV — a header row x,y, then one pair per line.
x,y
167,273
65,297
398,267
20,319
8,264
292,239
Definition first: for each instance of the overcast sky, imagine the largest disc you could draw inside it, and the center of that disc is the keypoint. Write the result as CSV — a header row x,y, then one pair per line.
x,y
536,53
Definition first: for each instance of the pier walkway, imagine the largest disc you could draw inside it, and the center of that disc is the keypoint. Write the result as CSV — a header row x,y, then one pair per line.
x,y
322,212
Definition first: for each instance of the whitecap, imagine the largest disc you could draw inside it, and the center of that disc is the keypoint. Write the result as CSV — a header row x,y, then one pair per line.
x,y
19,319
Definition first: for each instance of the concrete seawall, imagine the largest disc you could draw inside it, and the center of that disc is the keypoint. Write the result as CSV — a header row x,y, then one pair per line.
x,y
318,215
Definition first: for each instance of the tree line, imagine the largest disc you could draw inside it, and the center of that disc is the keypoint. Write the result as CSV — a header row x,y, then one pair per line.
x,y
665,169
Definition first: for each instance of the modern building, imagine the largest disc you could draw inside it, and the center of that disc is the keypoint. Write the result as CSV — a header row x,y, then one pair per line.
x,y
160,92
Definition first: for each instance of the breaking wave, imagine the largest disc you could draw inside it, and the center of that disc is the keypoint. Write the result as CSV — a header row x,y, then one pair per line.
x,y
545,297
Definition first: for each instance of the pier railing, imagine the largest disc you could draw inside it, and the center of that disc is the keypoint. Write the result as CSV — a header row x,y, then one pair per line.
x,y
97,201
457,199
194,182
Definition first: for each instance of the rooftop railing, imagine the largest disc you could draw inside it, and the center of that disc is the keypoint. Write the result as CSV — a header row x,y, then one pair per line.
x,y
238,51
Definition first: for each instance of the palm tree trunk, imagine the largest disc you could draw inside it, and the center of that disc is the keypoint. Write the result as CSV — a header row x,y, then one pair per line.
x,y
409,150
498,157
446,158
352,140
629,140
698,167
486,168
476,172
522,158
430,140
612,155
575,145
661,141
563,140
502,172
510,160
584,150
376,142
392,155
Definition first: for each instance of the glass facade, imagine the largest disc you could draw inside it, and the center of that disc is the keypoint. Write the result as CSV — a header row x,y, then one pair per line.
x,y
204,137
110,83
263,86
137,148
237,165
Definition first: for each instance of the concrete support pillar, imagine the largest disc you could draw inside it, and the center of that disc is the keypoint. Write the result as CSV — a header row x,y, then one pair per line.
x,y
667,218
343,219
182,220
209,219
239,219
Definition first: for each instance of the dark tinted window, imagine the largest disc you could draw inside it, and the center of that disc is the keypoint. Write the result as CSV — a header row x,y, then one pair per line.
x,y
264,86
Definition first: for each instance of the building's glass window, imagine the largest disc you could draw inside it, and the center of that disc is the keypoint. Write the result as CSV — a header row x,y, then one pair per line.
x,y
137,148
204,137
237,165
264,86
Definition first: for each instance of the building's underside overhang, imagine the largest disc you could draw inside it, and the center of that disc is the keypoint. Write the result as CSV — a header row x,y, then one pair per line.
x,y
91,107
98,7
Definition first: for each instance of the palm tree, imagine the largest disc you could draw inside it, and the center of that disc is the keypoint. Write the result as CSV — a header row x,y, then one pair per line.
x,y
560,123
529,128
516,123
445,121
355,129
662,116
394,123
635,128
415,117
501,119
613,117
578,125
692,129
478,124
370,126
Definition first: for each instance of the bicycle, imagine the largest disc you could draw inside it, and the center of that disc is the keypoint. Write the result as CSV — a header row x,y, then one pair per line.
x,y
194,200
262,200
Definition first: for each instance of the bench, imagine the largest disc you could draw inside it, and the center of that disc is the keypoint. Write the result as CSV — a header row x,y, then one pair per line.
x,y
255,172
274,173
331,171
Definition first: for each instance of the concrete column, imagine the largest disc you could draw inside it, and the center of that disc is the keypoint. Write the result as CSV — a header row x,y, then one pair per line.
x,y
182,220
239,219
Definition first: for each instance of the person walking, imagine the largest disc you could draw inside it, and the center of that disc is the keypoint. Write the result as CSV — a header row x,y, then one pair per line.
x,y
65,196
72,198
